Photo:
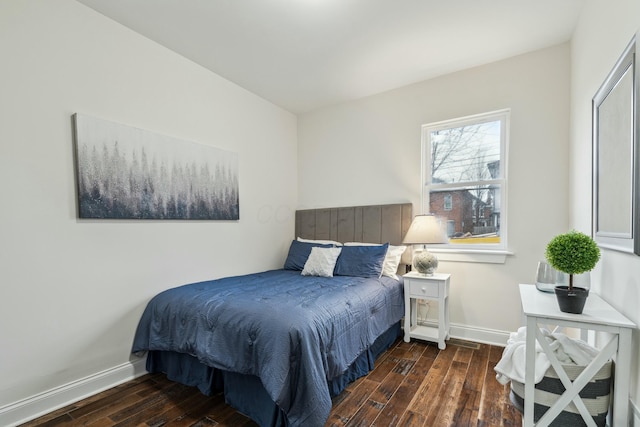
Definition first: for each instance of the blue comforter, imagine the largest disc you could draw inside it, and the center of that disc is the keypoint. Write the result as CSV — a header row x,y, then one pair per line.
x,y
294,332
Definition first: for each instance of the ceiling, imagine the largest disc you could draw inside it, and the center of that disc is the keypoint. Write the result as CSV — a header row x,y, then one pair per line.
x,y
305,54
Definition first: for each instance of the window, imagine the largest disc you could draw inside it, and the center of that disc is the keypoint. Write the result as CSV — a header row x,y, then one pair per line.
x,y
448,203
464,172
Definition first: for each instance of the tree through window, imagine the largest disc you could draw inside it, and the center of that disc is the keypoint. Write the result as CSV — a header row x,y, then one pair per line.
x,y
465,178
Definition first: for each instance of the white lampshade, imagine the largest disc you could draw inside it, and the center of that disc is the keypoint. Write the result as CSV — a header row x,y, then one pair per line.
x,y
426,229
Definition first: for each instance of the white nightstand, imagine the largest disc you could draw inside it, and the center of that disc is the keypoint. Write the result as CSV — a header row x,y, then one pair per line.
x,y
433,288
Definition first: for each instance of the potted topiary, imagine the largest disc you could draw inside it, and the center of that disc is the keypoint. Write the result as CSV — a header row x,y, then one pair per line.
x,y
572,253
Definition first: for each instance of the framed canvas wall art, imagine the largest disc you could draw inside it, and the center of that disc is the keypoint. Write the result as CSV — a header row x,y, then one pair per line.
x,y
128,173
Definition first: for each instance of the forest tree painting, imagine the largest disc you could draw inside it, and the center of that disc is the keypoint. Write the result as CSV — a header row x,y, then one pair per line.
x,y
129,173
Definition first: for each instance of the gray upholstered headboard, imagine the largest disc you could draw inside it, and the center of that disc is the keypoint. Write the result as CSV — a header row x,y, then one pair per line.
x,y
369,224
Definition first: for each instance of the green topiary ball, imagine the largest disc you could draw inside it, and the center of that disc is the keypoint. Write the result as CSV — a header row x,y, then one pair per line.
x,y
573,252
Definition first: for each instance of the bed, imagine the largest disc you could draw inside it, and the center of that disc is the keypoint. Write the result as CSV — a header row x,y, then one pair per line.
x,y
280,344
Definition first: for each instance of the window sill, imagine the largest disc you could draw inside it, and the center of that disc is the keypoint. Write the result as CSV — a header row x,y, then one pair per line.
x,y
470,255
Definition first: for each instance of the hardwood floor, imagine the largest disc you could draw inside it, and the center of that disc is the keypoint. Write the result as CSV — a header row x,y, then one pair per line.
x,y
413,384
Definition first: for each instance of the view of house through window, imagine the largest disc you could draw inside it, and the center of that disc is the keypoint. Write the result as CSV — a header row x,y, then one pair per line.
x,y
465,180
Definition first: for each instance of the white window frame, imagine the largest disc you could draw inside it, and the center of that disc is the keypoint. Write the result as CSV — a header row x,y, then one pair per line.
x,y
484,252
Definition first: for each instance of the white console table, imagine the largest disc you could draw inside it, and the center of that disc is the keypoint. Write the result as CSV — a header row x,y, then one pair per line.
x,y
542,308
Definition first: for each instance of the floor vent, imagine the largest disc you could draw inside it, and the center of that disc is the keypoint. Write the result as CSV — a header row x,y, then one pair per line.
x,y
462,343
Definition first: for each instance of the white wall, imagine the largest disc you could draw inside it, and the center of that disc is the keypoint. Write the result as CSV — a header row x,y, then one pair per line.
x,y
72,290
604,30
368,151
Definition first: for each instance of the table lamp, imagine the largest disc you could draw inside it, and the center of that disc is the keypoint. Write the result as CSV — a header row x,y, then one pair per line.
x,y
425,230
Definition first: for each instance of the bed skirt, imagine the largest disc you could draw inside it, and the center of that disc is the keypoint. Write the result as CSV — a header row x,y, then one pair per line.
x,y
245,392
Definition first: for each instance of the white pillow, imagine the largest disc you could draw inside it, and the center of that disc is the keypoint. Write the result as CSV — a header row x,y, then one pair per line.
x,y
321,262
321,242
391,259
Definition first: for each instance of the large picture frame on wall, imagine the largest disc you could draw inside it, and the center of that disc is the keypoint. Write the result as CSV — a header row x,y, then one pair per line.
x,y
128,173
615,157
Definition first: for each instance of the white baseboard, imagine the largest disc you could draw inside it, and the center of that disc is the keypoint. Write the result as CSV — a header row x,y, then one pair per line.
x,y
635,415
35,406
481,335
471,333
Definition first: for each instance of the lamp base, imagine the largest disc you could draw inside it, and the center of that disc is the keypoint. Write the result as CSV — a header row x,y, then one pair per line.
x,y
425,262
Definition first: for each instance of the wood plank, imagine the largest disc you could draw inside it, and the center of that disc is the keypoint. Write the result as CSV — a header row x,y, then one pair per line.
x,y
466,411
62,413
490,411
149,401
341,414
443,412
402,350
181,407
154,404
419,348
469,400
87,414
396,406
424,400
414,350
412,419
100,422
382,369
194,414
366,415
463,355
478,365
388,387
